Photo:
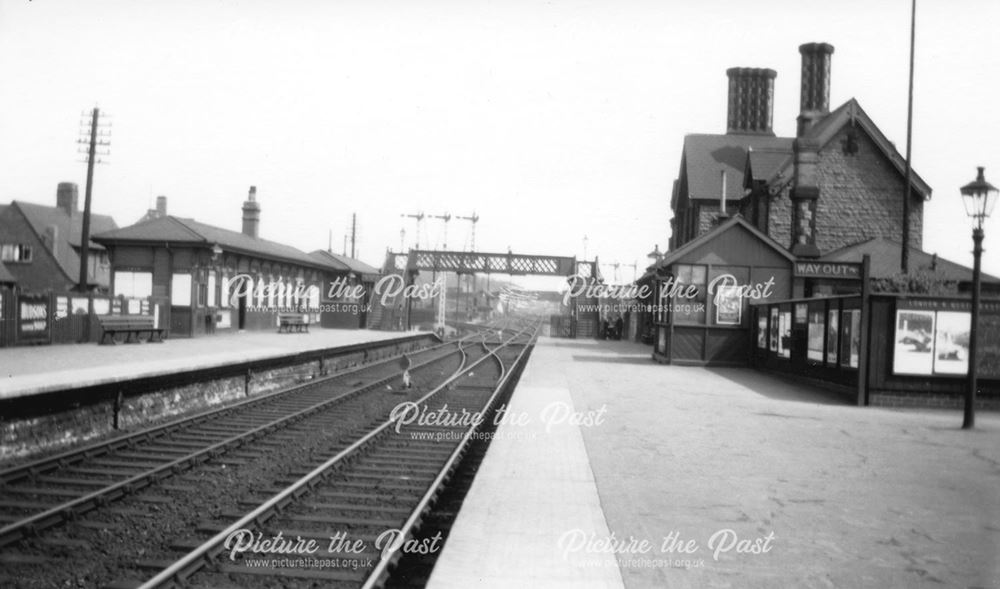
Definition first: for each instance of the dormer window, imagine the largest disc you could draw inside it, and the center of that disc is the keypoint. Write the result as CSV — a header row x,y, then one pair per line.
x,y
16,253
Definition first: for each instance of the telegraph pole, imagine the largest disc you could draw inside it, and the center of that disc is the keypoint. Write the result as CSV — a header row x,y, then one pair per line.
x,y
904,254
354,232
95,140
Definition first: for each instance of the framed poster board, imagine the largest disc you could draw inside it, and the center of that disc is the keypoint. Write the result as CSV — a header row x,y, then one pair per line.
x,y
774,329
913,348
850,338
951,342
832,333
785,328
816,335
728,306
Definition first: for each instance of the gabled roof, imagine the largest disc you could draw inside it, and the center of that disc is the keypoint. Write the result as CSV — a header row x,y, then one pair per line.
x,y
5,276
171,229
706,156
736,220
69,230
851,113
885,260
344,263
764,165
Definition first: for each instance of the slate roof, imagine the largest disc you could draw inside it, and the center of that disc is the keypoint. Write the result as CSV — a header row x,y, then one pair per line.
x,y
345,263
885,256
705,156
766,164
5,276
674,255
69,231
171,229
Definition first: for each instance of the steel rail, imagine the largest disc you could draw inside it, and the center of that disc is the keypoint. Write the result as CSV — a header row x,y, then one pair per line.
x,y
188,564
59,513
378,575
63,459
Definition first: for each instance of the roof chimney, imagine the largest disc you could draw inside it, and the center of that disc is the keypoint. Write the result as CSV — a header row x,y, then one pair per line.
x,y
51,239
815,101
161,206
67,197
751,101
251,214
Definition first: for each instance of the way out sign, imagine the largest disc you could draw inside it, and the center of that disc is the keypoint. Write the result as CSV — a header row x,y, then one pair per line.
x,y
848,270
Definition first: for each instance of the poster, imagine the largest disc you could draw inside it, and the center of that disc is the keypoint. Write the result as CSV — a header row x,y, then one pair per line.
x,y
762,331
855,337
785,328
774,329
102,306
951,342
814,348
832,332
800,313
850,338
988,345
728,306
913,351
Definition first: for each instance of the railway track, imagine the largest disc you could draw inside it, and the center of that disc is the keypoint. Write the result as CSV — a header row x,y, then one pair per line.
x,y
346,519
44,493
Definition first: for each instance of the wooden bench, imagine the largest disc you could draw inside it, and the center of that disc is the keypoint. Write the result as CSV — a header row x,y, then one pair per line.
x,y
131,325
289,322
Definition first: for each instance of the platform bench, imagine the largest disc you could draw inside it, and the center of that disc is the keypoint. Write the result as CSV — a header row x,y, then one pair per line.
x,y
289,322
132,326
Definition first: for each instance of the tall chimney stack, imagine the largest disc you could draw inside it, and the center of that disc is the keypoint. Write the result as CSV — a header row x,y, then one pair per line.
x,y
161,206
67,197
251,214
751,101
815,100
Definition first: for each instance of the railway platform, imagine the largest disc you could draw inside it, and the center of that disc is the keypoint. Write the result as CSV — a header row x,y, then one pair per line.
x,y
32,370
666,476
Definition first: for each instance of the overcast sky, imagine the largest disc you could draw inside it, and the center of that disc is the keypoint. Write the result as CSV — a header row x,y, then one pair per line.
x,y
551,120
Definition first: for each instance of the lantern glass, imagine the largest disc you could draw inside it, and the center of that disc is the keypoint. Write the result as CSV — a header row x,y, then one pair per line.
x,y
979,198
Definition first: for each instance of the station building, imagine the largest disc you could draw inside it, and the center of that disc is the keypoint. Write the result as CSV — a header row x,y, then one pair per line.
x,y
759,219
200,278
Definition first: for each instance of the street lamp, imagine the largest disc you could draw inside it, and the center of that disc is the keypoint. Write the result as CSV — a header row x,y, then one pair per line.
x,y
655,255
979,197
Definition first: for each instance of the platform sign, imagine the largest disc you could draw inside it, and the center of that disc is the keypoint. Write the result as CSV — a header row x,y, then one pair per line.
x,y
845,270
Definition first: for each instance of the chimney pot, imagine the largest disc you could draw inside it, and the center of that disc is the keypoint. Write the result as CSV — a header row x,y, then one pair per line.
x,y
67,197
814,103
251,214
751,101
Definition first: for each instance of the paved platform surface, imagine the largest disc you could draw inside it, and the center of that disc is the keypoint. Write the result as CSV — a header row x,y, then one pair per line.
x,y
731,478
29,370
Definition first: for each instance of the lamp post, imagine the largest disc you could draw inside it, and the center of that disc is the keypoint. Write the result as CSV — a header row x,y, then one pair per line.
x,y
979,197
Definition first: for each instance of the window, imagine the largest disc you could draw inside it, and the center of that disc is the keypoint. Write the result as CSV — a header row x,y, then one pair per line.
x,y
690,309
314,297
138,285
15,253
224,292
180,292
211,288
